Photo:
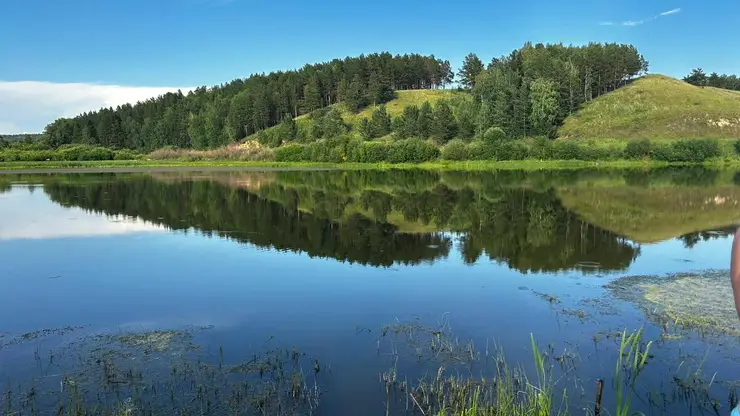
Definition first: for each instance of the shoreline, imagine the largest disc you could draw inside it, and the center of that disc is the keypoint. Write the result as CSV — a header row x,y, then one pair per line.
x,y
175,165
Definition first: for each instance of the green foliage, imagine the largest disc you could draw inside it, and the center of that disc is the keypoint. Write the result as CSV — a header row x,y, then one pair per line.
x,y
292,153
398,127
455,150
355,99
445,126
736,146
35,153
544,104
638,149
363,127
425,120
212,117
286,131
412,151
380,123
494,135
691,150
411,126
472,67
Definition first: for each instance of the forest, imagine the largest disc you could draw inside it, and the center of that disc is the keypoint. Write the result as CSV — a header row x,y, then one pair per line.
x,y
699,78
527,92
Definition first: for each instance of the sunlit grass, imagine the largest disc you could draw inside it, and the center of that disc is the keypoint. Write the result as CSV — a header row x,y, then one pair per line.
x,y
658,107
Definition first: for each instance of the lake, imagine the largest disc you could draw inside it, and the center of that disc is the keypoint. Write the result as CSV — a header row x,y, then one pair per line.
x,y
225,291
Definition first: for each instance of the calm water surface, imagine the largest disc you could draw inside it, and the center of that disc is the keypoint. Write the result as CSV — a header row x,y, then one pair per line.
x,y
324,260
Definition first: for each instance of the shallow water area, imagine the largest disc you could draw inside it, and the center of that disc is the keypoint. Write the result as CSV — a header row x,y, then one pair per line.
x,y
334,292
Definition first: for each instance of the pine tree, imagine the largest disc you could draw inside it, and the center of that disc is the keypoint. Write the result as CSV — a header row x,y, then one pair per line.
x,y
472,66
411,121
380,123
312,95
363,127
445,126
425,120
354,99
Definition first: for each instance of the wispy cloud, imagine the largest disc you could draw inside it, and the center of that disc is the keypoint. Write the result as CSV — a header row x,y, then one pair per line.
x,y
672,11
28,106
631,23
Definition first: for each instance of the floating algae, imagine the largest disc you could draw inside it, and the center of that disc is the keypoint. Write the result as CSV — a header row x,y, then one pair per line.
x,y
701,301
154,340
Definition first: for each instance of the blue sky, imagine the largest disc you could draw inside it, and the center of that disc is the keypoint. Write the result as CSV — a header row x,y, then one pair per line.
x,y
120,46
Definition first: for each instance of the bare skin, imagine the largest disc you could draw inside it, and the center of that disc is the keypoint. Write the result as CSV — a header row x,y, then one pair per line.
x,y
735,270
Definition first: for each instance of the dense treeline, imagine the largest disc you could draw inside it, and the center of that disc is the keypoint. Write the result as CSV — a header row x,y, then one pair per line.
x,y
699,78
212,117
526,93
532,90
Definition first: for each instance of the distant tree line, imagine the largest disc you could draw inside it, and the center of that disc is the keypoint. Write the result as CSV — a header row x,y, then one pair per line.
x,y
699,78
212,117
526,93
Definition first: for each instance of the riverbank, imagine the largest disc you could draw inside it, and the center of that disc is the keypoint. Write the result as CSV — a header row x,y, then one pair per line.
x,y
128,165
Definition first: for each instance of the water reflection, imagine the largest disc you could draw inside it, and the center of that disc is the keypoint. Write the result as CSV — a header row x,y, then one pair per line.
x,y
530,221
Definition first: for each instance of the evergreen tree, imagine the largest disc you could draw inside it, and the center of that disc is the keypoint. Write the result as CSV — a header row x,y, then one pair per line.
x,y
354,99
363,127
378,89
425,121
286,131
411,121
312,95
697,77
444,127
472,66
380,122
239,118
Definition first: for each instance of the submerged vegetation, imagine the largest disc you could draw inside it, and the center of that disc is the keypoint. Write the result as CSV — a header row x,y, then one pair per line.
x,y
693,301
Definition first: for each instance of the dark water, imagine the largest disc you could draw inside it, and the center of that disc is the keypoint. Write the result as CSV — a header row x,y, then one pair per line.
x,y
323,260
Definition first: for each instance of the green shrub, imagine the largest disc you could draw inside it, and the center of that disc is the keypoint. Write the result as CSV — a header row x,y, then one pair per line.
x,y
737,147
478,150
541,148
695,150
455,150
373,152
494,134
566,150
292,153
662,152
96,153
412,151
511,151
638,149
125,154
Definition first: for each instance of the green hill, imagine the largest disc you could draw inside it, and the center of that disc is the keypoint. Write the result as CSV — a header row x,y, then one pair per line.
x,y
658,107
394,107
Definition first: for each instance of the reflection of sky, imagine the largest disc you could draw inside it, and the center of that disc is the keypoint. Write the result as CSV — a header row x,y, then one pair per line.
x,y
29,215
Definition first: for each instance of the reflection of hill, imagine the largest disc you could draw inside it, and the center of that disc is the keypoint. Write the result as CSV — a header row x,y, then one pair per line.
x,y
246,217
361,216
648,214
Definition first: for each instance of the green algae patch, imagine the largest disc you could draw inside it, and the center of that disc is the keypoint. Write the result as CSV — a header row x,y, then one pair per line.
x,y
700,301
154,340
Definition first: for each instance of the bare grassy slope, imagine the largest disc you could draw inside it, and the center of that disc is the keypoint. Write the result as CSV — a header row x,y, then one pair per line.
x,y
658,107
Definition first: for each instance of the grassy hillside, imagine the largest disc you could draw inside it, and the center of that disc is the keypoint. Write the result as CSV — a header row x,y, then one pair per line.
x,y
394,107
658,107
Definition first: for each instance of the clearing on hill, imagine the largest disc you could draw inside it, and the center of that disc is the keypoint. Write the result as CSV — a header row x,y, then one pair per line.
x,y
658,107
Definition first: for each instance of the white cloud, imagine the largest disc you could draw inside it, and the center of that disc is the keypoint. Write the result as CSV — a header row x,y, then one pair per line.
x,y
631,23
672,11
28,106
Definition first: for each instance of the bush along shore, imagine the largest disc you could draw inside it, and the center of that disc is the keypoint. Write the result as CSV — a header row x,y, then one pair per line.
x,y
492,147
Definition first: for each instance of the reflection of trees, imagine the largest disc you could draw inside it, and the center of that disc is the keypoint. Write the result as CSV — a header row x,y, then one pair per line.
x,y
691,239
511,217
236,213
